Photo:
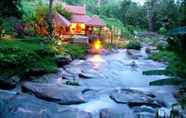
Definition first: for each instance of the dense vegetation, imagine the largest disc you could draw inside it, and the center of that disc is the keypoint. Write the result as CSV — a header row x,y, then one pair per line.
x,y
8,8
33,56
152,15
124,15
174,56
19,57
133,44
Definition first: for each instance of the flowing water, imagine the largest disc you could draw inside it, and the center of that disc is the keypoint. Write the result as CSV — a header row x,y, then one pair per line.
x,y
116,70
112,71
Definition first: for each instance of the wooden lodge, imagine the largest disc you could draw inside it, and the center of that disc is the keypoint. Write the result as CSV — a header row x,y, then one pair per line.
x,y
79,24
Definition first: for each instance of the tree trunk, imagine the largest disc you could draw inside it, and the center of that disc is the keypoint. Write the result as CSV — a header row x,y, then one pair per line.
x,y
49,20
150,14
150,20
98,3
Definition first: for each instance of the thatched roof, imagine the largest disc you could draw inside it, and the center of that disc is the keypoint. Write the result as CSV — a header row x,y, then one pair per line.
x,y
77,10
60,20
80,19
78,16
90,21
95,21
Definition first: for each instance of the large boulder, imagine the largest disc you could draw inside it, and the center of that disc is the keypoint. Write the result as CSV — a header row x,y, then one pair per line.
x,y
68,76
144,112
62,61
13,105
133,98
145,115
134,54
74,113
8,83
36,72
86,75
109,113
51,92
166,98
48,78
144,109
115,113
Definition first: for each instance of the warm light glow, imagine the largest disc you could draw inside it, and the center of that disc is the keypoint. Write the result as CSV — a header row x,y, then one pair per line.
x,y
96,61
77,28
97,44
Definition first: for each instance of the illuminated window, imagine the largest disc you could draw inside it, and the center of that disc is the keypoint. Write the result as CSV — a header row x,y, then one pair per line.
x,y
77,28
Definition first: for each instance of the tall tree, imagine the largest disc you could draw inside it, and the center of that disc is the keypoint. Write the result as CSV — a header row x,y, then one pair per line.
x,y
135,16
9,8
183,12
49,19
150,10
125,4
167,14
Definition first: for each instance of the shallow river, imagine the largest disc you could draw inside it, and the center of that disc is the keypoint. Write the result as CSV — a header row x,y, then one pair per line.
x,y
115,70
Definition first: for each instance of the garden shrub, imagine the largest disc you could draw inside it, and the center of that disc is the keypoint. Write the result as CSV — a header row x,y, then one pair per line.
x,y
162,30
133,44
178,67
75,50
8,25
164,56
161,45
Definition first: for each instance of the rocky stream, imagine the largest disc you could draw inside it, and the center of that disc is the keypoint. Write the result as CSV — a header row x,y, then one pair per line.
x,y
109,85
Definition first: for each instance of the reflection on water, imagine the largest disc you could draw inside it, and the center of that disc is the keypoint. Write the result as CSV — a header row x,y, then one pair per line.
x,y
117,70
96,61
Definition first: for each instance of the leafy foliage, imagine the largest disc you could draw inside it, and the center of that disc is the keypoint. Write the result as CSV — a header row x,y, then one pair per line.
x,y
133,44
164,56
156,72
170,81
162,30
8,25
175,57
178,68
8,8
75,51
182,11
165,13
19,57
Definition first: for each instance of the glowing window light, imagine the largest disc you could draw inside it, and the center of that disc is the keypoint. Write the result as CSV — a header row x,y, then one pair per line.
x,y
77,28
